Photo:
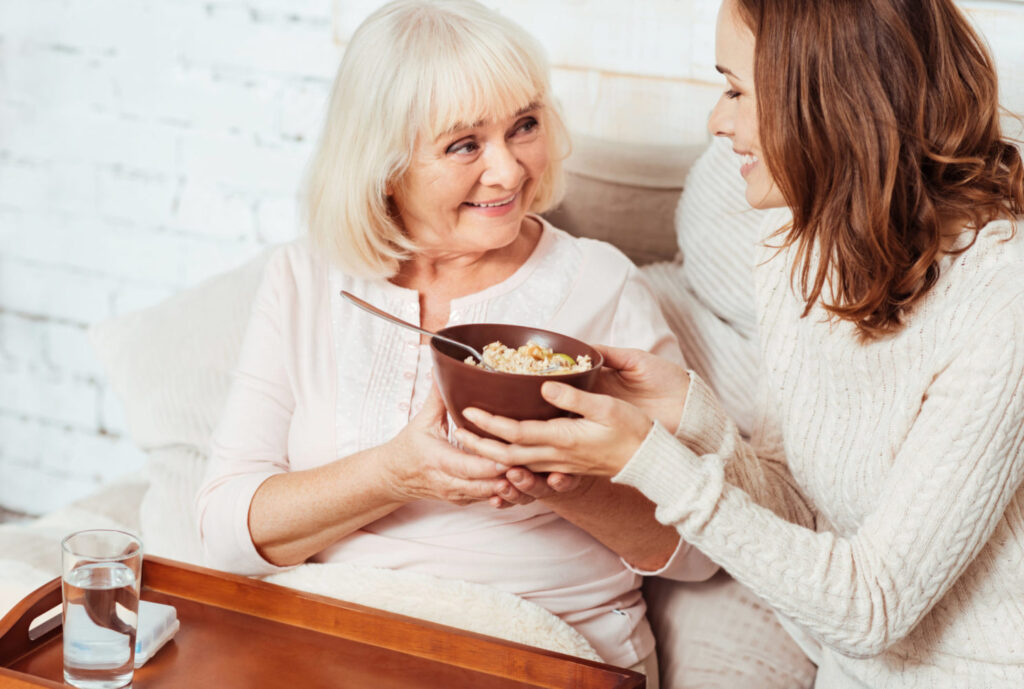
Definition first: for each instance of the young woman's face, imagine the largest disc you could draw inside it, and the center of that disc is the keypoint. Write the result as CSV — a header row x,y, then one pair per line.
x,y
469,190
735,115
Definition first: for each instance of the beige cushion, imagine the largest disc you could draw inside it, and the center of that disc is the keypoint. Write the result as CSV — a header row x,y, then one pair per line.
x,y
625,194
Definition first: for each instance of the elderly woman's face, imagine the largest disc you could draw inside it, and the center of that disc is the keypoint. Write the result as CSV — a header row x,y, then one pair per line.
x,y
735,115
469,190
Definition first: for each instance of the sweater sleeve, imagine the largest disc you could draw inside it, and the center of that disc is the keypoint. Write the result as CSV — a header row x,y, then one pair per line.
x,y
250,442
949,486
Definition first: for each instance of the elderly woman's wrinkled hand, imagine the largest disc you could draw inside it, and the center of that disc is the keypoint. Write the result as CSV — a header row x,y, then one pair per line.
x,y
423,465
524,486
599,443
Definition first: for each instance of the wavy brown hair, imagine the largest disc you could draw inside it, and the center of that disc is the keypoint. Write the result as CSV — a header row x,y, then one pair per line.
x,y
879,121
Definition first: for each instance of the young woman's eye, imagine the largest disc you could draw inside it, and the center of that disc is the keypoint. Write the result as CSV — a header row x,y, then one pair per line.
x,y
732,94
462,147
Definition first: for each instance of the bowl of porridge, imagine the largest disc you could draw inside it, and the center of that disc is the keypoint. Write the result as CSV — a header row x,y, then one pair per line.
x,y
520,359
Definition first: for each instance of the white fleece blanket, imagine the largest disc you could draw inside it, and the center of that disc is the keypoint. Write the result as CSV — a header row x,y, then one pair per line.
x,y
473,607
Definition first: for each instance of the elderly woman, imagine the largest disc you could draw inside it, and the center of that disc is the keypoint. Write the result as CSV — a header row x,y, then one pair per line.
x,y
441,143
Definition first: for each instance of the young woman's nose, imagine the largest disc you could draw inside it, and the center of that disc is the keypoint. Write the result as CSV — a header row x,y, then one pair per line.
x,y
720,123
503,167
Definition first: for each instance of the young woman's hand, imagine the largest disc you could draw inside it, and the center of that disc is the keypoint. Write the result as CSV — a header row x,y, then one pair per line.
x,y
654,385
421,464
599,443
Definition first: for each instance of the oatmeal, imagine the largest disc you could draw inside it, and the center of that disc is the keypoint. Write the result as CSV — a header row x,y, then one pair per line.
x,y
531,359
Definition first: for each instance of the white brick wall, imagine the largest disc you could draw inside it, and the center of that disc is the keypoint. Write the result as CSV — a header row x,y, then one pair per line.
x,y
147,144
144,145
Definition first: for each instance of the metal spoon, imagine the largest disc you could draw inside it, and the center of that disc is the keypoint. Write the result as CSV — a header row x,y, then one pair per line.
x,y
366,306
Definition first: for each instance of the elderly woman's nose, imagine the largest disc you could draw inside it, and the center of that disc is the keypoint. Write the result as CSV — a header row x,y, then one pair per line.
x,y
503,167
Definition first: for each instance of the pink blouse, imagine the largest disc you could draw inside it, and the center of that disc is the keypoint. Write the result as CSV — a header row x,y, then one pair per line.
x,y
319,379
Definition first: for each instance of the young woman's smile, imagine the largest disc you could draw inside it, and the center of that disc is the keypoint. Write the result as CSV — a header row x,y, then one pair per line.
x,y
735,115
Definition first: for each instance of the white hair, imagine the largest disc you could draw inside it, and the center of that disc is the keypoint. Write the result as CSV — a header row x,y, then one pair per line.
x,y
417,68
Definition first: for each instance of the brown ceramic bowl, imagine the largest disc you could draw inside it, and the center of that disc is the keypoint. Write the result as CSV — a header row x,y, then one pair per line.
x,y
515,395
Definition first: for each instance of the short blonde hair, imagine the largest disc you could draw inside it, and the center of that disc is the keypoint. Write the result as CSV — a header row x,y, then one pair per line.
x,y
417,68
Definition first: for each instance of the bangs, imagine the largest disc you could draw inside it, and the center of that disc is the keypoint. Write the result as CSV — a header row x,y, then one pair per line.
x,y
458,99
468,72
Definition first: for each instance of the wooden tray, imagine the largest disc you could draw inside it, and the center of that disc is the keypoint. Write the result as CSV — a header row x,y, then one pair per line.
x,y
240,632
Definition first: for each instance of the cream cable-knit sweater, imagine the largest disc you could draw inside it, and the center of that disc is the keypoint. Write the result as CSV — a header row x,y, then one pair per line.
x,y
883,511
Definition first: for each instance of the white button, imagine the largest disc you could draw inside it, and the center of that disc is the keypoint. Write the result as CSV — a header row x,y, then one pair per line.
x,y
412,345
403,406
409,375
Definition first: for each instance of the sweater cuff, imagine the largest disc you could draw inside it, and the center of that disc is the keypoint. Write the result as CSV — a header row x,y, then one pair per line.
x,y
703,425
684,486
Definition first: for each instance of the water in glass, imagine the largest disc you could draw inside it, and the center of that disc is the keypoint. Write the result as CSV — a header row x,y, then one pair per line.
x,y
101,603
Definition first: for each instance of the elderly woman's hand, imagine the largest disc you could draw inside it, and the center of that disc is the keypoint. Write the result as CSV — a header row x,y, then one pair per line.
x,y
523,487
422,465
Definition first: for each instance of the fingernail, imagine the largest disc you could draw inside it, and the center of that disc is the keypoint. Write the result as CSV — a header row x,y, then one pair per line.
x,y
471,414
516,475
500,467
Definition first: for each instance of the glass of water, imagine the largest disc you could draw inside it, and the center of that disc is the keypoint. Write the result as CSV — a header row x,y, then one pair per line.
x,y
102,571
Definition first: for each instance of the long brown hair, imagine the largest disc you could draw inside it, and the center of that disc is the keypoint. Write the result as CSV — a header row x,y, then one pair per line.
x,y
879,121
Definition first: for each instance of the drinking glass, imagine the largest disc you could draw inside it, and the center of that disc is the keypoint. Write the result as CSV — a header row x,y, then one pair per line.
x,y
102,569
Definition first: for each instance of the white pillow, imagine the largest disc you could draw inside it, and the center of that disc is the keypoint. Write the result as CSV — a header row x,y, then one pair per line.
x,y
707,295
170,366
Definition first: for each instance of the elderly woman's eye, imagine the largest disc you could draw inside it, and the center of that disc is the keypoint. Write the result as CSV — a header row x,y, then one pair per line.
x,y
528,125
462,147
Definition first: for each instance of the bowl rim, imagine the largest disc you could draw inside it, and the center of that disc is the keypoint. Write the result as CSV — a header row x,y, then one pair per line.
x,y
547,376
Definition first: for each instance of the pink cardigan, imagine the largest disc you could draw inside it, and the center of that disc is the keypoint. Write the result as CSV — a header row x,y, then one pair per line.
x,y
319,379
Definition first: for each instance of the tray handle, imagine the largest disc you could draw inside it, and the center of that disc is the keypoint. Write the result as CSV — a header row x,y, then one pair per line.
x,y
17,636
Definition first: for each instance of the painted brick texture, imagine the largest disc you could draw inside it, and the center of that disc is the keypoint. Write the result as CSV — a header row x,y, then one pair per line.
x,y
144,146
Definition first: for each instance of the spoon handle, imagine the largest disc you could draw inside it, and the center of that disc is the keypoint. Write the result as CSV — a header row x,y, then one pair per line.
x,y
366,306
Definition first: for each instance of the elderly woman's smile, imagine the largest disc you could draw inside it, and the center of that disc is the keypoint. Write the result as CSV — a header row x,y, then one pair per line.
x,y
499,207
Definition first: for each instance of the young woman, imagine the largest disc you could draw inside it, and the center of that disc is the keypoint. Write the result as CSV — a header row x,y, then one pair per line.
x,y
879,506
